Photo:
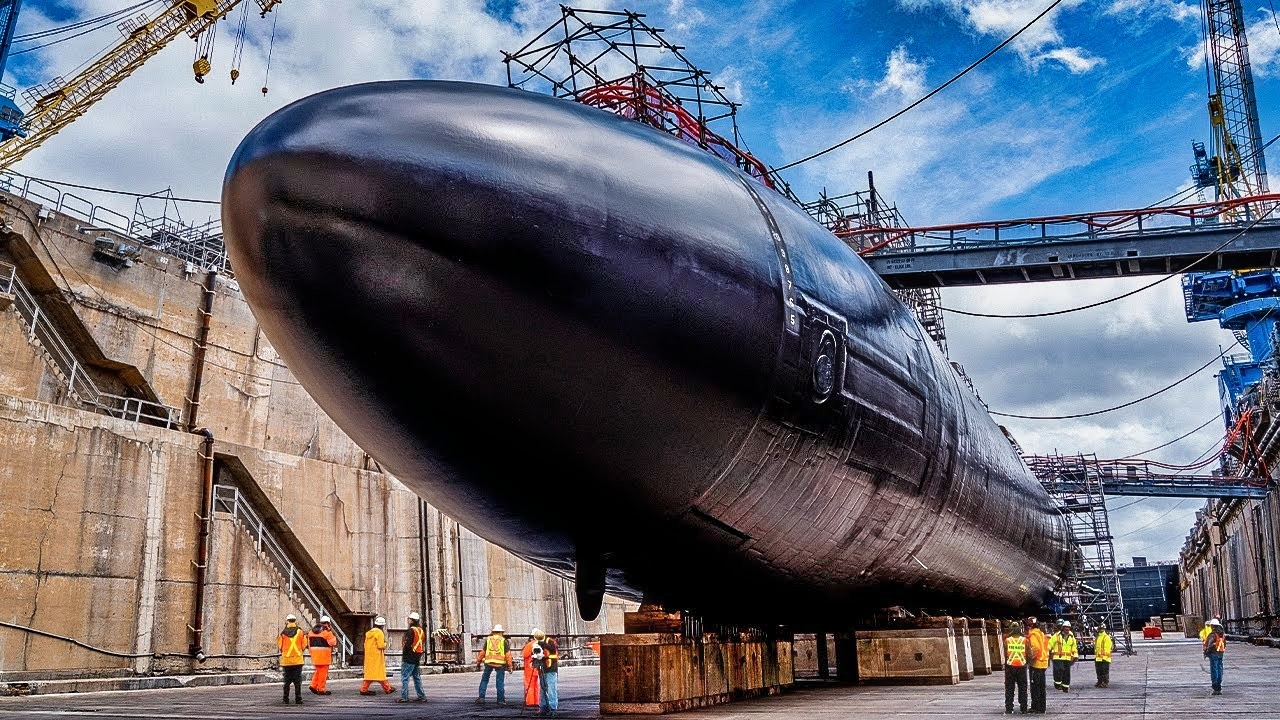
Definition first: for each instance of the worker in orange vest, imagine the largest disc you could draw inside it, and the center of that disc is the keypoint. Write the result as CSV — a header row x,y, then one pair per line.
x,y
321,642
530,672
1038,663
292,643
375,658
1215,644
1015,669
495,656
412,646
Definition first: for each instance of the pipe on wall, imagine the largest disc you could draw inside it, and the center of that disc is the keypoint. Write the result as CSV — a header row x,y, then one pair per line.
x,y
202,548
202,344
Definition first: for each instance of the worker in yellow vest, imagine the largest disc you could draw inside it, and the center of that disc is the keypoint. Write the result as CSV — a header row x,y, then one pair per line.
x,y
1038,663
1015,669
495,656
1063,651
292,643
375,658
1208,628
1102,648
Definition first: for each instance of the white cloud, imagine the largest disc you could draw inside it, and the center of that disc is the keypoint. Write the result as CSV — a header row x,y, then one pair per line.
x,y
1075,60
1170,9
904,76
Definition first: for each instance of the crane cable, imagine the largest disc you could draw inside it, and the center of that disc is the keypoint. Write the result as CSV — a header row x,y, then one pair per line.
x,y
76,35
271,46
60,29
930,94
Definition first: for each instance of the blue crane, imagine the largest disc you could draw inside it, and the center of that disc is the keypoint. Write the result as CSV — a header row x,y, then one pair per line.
x,y
10,114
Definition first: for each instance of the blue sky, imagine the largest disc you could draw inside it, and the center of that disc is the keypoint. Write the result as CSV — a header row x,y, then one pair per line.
x,y
1093,108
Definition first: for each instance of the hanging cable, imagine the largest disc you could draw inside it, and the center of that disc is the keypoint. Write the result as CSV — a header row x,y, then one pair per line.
x,y
930,94
1183,436
72,37
1162,516
271,46
77,643
1185,378
1131,293
237,50
63,183
49,32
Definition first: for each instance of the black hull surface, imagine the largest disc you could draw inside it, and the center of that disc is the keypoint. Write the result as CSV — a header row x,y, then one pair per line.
x,y
599,347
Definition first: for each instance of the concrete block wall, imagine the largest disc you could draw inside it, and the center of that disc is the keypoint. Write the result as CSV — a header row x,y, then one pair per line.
x,y
98,528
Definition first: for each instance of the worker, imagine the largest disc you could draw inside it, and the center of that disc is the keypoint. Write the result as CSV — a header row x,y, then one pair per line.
x,y
1063,652
320,643
375,658
531,680
1015,669
1038,657
292,643
1208,628
1215,644
495,656
1102,648
412,645
548,676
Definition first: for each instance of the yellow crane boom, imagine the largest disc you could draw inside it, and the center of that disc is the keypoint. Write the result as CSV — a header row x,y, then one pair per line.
x,y
58,102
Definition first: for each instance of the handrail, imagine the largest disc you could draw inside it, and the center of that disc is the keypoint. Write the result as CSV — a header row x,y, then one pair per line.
x,y
80,385
229,499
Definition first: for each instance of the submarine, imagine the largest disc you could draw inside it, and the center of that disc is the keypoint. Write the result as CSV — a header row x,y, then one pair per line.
x,y
625,360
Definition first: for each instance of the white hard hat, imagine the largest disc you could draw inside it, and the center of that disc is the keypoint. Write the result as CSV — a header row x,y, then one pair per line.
x,y
1214,621
414,615
1066,624
325,618
379,620
290,617
498,628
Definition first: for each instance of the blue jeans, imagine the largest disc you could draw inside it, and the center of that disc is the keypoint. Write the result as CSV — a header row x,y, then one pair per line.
x,y
484,681
549,699
1215,670
411,671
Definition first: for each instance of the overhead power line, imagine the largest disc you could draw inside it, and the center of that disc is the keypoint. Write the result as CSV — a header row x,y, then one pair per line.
x,y
930,94
63,183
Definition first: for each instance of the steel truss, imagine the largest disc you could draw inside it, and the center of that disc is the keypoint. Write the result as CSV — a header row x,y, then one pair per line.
x,y
1091,588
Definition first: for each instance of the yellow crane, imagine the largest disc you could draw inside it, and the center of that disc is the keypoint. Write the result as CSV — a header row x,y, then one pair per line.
x,y
55,104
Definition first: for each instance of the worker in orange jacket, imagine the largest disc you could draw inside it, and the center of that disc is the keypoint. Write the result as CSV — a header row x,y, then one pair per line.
x,y
321,641
292,643
1038,658
530,672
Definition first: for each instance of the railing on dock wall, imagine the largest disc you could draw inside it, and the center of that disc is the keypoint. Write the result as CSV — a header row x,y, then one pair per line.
x,y
70,370
229,499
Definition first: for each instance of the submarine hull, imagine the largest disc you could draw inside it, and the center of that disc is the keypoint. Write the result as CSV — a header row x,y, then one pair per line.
x,y
619,357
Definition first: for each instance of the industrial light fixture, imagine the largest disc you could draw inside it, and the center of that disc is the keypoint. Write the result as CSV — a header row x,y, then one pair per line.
x,y
86,229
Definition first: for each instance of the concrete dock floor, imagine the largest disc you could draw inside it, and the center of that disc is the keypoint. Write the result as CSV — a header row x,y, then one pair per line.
x,y
1166,679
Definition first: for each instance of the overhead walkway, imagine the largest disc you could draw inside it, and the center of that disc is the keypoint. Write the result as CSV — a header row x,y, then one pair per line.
x,y
1229,235
1138,478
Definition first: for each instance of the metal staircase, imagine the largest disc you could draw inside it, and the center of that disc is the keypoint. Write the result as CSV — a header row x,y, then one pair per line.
x,y
42,334
229,499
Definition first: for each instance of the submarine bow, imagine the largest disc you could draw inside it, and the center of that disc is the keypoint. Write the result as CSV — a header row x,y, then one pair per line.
x,y
624,360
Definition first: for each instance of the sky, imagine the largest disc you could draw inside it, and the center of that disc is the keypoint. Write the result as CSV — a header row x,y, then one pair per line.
x,y
1093,108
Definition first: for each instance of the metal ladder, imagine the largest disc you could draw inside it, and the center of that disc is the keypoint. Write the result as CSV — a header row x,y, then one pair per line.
x,y
229,499
70,371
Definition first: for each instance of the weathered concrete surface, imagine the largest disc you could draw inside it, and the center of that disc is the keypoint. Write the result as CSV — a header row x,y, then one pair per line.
x,y
1163,682
978,646
924,656
98,528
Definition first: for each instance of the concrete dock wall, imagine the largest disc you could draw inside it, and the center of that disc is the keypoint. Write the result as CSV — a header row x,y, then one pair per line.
x,y
99,521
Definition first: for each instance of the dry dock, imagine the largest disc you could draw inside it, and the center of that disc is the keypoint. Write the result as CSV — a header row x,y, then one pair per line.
x,y
1164,680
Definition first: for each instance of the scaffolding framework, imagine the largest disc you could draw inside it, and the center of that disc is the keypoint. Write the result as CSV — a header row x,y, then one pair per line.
x,y
1091,589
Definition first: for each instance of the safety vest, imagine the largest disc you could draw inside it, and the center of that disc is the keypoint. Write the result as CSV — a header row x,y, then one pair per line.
x,y
291,645
551,655
495,651
1102,648
419,636
1204,632
1062,647
1015,651
1039,647
1215,643
322,644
